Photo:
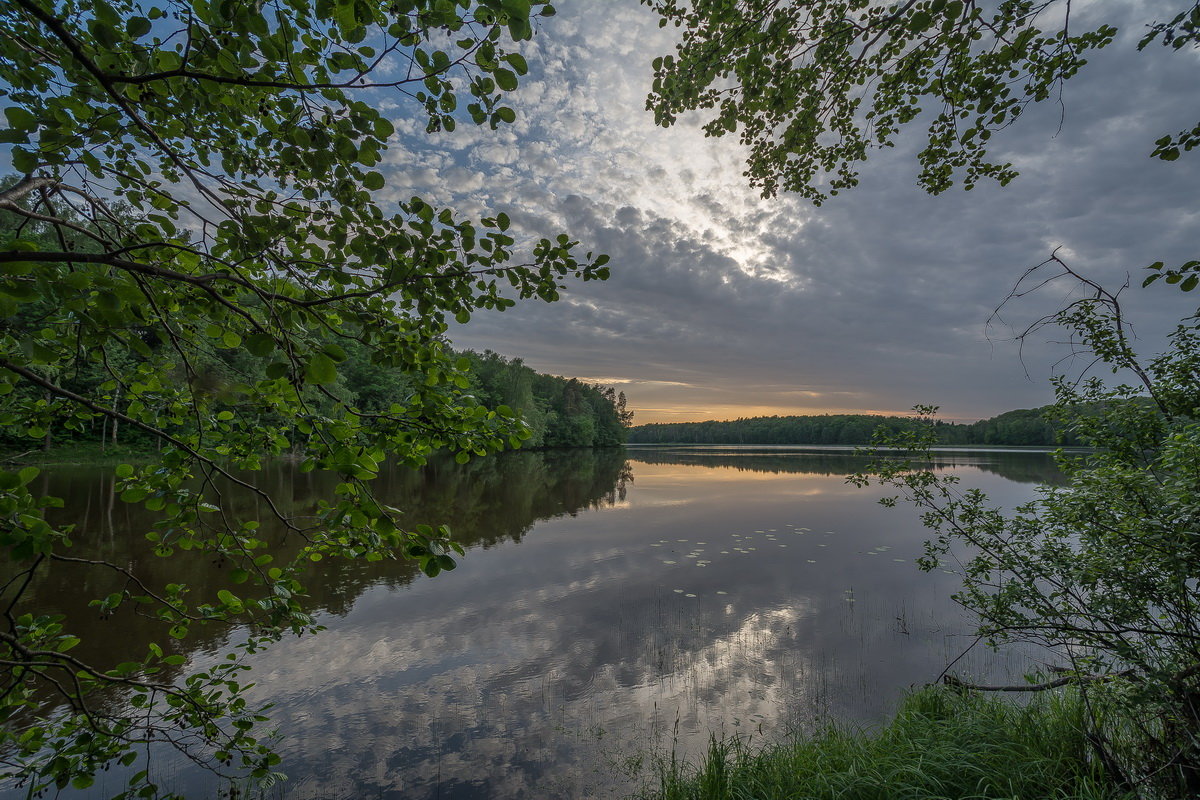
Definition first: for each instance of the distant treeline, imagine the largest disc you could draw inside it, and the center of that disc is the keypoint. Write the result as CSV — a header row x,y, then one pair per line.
x,y
1023,427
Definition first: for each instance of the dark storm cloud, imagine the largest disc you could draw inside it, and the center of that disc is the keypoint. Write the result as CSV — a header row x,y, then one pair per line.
x,y
877,300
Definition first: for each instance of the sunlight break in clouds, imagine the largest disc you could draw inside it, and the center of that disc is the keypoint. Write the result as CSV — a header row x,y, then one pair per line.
x,y
722,304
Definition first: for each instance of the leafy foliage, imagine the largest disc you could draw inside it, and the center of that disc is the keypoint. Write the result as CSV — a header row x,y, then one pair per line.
x,y
1102,570
199,248
812,87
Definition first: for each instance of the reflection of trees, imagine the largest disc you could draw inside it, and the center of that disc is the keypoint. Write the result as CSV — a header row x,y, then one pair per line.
x,y
1018,466
1023,467
486,502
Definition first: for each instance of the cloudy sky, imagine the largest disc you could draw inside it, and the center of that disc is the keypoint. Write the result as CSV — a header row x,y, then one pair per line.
x,y
722,304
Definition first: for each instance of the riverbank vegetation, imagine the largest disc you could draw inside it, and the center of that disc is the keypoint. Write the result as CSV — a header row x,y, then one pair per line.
x,y
940,744
559,412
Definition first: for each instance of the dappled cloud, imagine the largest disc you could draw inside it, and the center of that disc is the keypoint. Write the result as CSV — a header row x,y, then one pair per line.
x,y
878,300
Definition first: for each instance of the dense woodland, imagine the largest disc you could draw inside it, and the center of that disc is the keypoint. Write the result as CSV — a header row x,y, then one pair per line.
x,y
1022,427
559,412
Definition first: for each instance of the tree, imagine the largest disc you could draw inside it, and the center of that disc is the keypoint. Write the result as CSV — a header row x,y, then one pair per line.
x,y
812,87
1104,570
198,229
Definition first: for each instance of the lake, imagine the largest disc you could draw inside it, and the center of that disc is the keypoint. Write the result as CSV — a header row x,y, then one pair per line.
x,y
614,606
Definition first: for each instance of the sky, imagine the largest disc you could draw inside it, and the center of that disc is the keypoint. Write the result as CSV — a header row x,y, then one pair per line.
x,y
722,304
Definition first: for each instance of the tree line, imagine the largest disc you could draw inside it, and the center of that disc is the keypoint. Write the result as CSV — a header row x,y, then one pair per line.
x,y
557,411
1023,427
560,412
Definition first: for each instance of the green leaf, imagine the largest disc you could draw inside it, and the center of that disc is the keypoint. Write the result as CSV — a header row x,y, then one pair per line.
x,y
520,29
321,370
373,181
137,27
39,353
106,35
260,344
334,351
24,160
505,79
20,119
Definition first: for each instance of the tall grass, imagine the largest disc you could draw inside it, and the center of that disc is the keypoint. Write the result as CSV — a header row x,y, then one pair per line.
x,y
941,745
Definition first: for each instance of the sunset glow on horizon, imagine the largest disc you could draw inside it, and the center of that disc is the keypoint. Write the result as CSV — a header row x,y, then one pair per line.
x,y
645,416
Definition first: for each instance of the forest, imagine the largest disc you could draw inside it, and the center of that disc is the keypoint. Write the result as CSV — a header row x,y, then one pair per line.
x,y
560,412
1023,427
557,411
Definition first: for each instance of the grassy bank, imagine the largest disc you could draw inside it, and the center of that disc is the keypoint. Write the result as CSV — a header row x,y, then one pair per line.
x,y
940,745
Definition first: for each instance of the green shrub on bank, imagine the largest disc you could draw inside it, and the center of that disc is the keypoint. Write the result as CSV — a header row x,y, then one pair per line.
x,y
941,745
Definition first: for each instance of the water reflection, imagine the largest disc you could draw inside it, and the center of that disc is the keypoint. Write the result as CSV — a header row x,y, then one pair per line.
x,y
1015,464
610,603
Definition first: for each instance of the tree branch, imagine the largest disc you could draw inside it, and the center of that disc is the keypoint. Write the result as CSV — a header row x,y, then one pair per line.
x,y
1066,680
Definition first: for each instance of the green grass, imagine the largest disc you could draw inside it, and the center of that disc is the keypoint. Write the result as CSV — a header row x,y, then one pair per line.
x,y
940,746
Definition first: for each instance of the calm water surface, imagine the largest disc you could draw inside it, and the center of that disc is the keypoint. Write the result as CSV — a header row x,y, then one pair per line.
x,y
612,605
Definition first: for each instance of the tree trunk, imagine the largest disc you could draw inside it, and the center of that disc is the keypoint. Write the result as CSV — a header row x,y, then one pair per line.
x,y
116,423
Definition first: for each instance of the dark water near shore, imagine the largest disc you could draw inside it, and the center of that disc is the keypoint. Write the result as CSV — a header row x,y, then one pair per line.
x,y
612,605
